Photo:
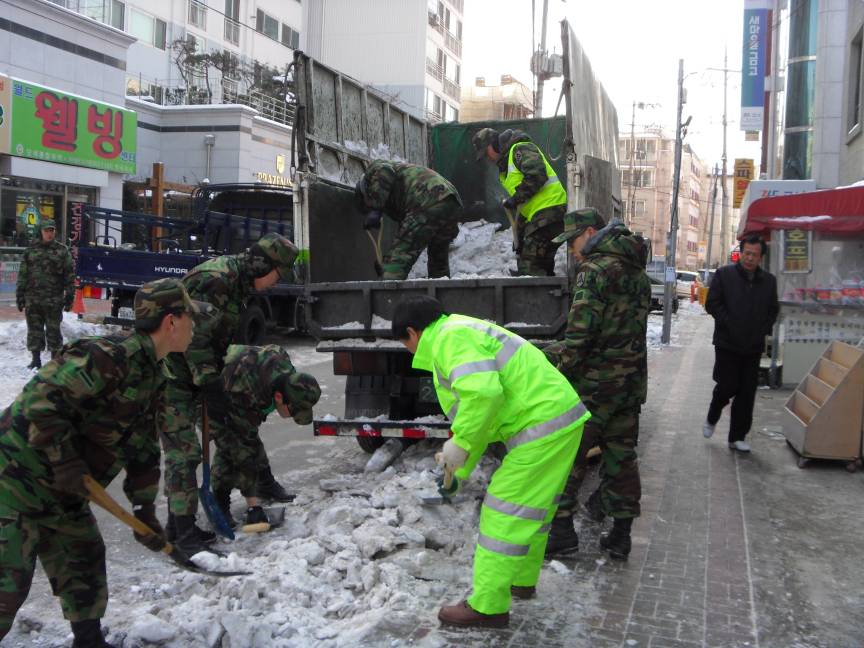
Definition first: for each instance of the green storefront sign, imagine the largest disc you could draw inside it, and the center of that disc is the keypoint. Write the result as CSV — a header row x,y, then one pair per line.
x,y
55,126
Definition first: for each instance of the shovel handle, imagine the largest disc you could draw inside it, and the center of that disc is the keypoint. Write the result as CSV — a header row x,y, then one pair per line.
x,y
100,496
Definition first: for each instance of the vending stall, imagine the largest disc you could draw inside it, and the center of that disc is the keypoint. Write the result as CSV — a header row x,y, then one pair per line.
x,y
816,251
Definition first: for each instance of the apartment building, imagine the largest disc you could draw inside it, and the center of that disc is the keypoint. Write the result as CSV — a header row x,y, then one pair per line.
x,y
647,163
408,49
508,100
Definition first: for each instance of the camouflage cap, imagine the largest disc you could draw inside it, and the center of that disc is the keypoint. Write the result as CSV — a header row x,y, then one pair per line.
x,y
576,222
483,138
300,392
48,223
273,251
156,299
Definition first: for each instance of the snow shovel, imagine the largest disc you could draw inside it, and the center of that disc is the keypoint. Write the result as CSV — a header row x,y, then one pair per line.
x,y
433,497
514,228
208,501
99,496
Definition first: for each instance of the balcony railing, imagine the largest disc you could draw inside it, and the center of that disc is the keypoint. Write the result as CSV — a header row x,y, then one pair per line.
x,y
434,69
452,43
272,108
451,89
433,117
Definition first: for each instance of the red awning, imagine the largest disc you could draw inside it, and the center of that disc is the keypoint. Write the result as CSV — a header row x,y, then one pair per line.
x,y
838,211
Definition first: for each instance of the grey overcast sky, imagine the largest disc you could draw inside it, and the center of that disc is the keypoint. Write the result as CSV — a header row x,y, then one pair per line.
x,y
634,47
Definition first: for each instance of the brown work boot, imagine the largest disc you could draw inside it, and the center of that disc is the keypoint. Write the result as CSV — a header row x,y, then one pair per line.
x,y
464,615
523,592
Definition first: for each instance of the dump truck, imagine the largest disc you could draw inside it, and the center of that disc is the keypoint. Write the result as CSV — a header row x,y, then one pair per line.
x,y
341,126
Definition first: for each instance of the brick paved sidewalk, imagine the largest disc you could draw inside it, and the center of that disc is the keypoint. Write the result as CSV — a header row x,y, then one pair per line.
x,y
730,550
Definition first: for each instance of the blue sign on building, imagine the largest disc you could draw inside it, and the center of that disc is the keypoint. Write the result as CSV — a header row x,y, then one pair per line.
x,y
757,31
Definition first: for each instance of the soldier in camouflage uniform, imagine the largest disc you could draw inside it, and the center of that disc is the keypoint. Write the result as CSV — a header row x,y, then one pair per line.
x,y
256,381
225,282
536,197
95,410
46,287
425,205
604,356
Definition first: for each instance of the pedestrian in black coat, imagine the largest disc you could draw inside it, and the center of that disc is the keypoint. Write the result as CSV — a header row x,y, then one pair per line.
x,y
742,300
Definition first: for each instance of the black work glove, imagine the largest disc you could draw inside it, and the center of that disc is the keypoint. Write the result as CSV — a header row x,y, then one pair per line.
x,y
213,389
69,477
373,220
509,203
154,541
379,271
21,302
67,303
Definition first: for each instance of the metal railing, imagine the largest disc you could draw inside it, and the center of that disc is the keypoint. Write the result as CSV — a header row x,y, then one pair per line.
x,y
433,117
451,89
434,69
452,43
270,107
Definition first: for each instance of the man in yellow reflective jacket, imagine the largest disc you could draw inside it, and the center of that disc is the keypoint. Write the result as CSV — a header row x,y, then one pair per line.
x,y
535,196
496,387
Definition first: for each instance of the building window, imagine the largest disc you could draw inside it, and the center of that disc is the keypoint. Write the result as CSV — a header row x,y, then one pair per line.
x,y
147,28
232,27
290,37
109,12
198,14
853,120
267,25
641,178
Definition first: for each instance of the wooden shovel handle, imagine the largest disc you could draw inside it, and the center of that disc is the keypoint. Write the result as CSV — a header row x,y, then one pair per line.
x,y
99,496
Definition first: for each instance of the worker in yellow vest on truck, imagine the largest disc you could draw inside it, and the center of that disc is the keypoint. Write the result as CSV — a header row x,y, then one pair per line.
x,y
536,199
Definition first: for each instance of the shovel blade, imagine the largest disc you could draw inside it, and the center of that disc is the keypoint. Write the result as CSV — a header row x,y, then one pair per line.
x,y
214,513
184,562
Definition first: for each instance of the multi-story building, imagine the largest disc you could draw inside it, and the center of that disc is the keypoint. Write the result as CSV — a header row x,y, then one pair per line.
x,y
509,100
647,163
409,49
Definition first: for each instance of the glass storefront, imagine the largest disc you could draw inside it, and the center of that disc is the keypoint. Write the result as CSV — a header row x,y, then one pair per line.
x,y
25,203
800,90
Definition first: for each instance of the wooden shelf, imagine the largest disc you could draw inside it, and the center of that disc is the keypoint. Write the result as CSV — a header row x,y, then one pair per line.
x,y
824,414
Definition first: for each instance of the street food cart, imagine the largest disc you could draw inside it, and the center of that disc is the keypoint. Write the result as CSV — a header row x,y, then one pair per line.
x,y
816,251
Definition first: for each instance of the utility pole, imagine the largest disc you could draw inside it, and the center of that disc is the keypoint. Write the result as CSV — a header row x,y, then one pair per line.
x,y
538,98
711,227
724,207
670,275
631,189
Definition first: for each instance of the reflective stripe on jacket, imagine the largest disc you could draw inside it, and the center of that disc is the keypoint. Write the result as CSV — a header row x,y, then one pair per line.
x,y
495,386
551,194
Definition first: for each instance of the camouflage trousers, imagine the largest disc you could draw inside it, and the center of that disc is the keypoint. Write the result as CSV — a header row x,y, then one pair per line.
x,y
615,429
181,447
72,553
536,253
240,454
432,229
43,320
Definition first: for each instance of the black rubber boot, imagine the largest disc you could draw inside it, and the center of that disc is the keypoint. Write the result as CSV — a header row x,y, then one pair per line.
x,y
207,537
187,535
256,514
594,507
562,537
223,501
88,634
271,490
617,541
36,362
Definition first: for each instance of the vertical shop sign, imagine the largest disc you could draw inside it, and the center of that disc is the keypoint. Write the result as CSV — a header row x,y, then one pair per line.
x,y
757,31
797,250
76,230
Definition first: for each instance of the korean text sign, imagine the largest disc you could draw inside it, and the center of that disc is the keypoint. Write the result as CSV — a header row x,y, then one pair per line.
x,y
757,31
55,126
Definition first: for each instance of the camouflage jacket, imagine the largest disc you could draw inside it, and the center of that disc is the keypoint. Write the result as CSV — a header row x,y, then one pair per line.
x,y
46,275
224,283
603,352
249,374
100,401
527,159
399,189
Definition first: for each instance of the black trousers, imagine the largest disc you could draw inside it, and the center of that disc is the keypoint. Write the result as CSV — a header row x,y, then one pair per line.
x,y
737,377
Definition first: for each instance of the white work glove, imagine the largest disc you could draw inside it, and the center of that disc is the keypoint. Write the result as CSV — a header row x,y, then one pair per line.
x,y
451,457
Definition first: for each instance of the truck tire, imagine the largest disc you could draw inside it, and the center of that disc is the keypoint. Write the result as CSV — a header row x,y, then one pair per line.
x,y
370,444
367,396
253,326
